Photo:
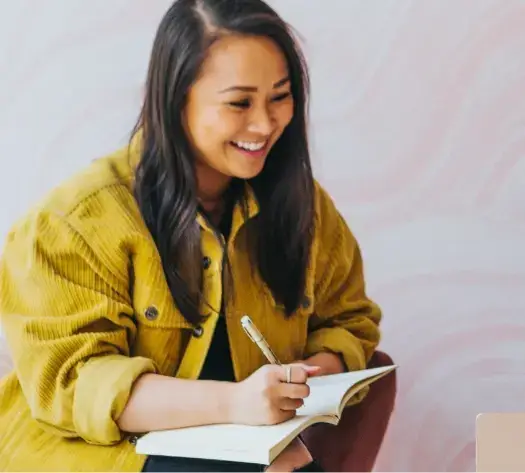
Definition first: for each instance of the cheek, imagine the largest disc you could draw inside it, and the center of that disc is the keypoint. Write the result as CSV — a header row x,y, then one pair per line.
x,y
212,128
225,128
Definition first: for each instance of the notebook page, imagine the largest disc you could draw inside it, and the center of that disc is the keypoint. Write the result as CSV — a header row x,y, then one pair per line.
x,y
326,392
324,399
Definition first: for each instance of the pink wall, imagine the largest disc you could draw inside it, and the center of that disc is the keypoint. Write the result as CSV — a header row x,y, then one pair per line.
x,y
418,132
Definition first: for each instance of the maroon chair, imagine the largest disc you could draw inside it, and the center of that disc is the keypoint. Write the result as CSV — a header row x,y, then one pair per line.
x,y
354,444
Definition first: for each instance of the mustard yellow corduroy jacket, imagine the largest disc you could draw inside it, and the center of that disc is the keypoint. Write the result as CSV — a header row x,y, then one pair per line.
x,y
86,310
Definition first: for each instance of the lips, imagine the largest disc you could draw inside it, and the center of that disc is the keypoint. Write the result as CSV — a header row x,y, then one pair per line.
x,y
250,145
252,149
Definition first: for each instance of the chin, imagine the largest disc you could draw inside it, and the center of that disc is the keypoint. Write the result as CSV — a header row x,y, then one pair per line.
x,y
248,174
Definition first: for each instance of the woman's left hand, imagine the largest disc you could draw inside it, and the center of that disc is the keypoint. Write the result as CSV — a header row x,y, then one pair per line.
x,y
293,457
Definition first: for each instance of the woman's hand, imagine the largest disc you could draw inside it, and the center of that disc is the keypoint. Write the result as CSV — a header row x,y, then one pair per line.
x,y
328,363
265,398
293,457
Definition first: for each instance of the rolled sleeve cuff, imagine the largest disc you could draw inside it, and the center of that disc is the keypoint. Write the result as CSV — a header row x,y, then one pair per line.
x,y
102,392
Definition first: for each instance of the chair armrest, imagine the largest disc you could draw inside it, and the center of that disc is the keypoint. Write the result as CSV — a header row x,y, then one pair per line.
x,y
354,444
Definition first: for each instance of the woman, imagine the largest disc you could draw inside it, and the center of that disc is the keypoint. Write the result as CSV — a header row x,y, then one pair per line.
x,y
122,293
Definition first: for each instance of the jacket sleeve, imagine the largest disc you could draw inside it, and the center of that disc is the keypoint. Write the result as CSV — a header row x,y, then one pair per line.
x,y
68,322
345,321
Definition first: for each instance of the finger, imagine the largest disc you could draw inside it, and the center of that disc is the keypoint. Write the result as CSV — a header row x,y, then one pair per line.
x,y
289,404
294,391
318,372
311,370
298,373
282,415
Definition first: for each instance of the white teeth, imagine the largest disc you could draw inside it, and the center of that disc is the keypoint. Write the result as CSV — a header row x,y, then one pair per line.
x,y
250,146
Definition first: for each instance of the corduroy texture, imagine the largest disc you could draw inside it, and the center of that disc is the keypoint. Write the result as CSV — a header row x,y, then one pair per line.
x,y
86,310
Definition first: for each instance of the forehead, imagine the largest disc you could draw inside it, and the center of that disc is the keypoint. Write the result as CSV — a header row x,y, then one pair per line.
x,y
243,60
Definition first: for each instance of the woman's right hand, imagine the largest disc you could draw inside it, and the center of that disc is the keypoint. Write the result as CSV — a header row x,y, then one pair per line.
x,y
265,398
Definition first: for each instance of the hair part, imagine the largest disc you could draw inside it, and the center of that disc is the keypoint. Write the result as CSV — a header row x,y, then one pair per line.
x,y
166,185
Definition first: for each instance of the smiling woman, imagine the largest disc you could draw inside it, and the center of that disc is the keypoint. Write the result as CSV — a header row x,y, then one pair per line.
x,y
122,295
249,117
232,130
227,101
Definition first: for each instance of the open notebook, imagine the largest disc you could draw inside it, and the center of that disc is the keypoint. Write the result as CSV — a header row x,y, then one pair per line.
x,y
261,444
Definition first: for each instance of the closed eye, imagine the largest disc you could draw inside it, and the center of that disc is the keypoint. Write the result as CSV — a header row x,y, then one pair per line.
x,y
241,104
244,104
281,97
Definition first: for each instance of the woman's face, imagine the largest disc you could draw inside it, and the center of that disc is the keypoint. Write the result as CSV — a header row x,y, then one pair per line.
x,y
238,108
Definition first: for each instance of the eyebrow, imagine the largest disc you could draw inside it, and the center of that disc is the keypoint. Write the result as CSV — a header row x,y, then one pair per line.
x,y
247,88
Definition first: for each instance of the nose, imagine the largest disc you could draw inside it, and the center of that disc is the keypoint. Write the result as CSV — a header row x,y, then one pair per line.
x,y
261,121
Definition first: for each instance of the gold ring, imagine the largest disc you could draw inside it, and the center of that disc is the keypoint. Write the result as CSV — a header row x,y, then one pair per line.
x,y
289,373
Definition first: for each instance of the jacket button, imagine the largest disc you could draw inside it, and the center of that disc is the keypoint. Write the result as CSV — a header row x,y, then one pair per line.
x,y
151,313
305,303
198,331
206,262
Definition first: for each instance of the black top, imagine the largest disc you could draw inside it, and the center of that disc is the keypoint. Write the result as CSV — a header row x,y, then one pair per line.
x,y
218,364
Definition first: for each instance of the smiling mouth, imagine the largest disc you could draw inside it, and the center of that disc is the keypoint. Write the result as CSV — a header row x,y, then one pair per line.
x,y
252,149
250,145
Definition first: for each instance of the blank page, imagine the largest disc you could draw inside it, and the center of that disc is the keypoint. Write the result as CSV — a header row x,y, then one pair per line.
x,y
326,392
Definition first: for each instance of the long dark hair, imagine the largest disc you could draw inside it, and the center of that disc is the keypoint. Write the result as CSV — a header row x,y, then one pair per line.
x,y
166,187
